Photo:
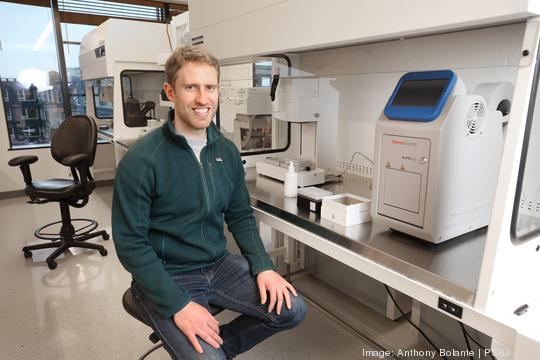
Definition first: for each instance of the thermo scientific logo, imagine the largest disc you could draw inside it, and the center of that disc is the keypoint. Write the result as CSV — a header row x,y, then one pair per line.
x,y
403,142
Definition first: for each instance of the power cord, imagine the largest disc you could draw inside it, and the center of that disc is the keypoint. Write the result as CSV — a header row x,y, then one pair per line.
x,y
469,336
413,324
466,335
466,340
168,36
352,158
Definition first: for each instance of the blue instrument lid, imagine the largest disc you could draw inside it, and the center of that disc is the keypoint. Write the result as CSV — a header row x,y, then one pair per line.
x,y
420,96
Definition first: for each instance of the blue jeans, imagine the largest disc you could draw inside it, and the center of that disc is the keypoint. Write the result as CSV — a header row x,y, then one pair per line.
x,y
226,285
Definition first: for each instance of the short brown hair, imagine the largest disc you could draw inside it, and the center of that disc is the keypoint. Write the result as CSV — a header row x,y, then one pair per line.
x,y
183,55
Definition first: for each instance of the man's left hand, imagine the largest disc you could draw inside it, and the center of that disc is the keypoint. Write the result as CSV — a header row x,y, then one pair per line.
x,y
278,289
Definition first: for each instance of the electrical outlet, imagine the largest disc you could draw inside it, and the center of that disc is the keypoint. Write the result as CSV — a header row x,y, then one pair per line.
x,y
450,307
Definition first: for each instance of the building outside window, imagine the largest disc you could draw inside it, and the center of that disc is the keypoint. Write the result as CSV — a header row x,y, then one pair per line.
x,y
32,89
30,113
26,94
30,76
103,98
28,71
72,35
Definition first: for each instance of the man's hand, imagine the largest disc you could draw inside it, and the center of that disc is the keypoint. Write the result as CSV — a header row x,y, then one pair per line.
x,y
194,320
278,288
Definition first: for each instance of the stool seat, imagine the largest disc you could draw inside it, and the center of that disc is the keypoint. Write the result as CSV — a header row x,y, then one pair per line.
x,y
129,305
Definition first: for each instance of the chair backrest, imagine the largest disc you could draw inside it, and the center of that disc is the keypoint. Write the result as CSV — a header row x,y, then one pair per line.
x,y
76,135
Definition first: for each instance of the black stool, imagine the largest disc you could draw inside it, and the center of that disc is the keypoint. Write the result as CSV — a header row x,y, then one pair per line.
x,y
131,309
129,305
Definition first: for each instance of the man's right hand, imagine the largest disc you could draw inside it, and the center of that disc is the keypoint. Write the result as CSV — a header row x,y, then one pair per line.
x,y
194,320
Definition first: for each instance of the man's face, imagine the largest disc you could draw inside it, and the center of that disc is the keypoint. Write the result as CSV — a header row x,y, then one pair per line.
x,y
195,96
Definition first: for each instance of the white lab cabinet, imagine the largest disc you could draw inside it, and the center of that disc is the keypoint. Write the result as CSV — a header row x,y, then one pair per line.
x,y
272,26
363,48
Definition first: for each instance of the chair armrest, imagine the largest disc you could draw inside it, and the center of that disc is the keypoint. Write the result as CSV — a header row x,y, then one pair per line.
x,y
75,160
23,160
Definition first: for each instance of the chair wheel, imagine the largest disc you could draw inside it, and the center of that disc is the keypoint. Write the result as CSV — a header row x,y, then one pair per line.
x,y
27,254
52,265
103,252
106,236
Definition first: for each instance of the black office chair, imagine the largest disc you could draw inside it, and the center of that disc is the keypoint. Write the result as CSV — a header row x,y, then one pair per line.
x,y
129,305
73,145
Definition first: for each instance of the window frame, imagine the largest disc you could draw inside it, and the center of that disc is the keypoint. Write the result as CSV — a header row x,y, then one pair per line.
x,y
271,151
24,92
515,238
24,110
94,95
254,83
163,14
122,76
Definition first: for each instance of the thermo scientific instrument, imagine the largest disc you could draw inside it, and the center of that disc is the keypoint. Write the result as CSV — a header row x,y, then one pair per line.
x,y
437,154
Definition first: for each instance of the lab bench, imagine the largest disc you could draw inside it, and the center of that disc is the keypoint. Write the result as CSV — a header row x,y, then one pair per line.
x,y
451,268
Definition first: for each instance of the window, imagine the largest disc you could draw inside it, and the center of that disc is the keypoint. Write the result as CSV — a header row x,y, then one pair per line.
x,y
103,98
71,36
29,67
526,215
29,71
25,95
114,9
141,94
245,108
262,73
29,113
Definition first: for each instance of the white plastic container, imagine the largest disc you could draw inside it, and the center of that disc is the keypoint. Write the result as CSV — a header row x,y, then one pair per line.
x,y
290,186
346,209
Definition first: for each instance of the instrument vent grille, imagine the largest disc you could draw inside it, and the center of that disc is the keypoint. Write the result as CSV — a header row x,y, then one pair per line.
x,y
475,118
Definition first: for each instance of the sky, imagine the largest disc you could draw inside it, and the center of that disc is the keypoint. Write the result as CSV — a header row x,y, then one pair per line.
x,y
20,29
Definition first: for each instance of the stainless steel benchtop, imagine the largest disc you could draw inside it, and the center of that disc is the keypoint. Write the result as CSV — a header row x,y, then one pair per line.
x,y
452,267
127,143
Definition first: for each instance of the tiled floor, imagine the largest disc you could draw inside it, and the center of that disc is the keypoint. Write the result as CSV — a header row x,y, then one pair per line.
x,y
75,311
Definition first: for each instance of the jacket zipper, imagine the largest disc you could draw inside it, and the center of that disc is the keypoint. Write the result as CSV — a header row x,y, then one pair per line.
x,y
205,187
211,176
206,194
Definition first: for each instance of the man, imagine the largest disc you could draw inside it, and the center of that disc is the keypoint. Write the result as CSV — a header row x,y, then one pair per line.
x,y
173,191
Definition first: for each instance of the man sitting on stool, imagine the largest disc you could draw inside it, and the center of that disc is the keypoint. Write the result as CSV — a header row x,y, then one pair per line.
x,y
173,191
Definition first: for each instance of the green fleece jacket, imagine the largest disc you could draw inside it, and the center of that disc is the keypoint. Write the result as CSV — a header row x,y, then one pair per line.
x,y
168,212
